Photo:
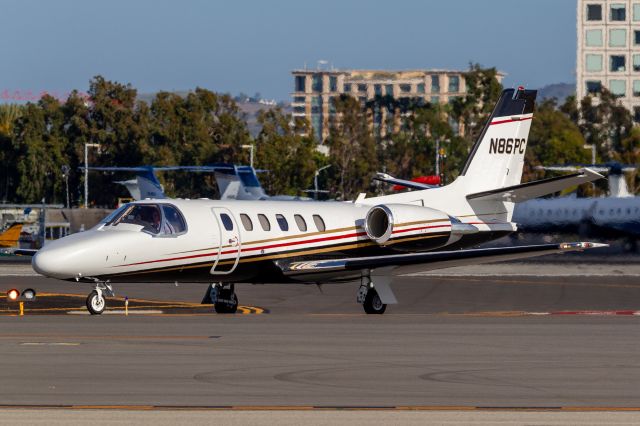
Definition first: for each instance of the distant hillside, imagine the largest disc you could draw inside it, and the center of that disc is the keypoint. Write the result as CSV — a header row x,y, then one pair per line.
x,y
560,91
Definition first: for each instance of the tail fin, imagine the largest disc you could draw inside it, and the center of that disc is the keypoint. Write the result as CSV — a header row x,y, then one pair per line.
x,y
497,157
148,184
9,238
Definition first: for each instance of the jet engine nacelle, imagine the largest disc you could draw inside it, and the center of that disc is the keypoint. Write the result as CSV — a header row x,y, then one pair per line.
x,y
407,227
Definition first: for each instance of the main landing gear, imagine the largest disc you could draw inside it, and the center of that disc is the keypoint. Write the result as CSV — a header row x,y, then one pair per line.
x,y
369,297
223,297
96,301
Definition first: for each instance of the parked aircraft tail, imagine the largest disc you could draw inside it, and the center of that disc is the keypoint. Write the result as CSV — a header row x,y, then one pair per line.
x,y
9,238
146,184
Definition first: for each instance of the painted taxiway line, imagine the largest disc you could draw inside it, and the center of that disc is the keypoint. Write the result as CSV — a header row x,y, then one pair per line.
x,y
120,312
324,408
551,313
518,274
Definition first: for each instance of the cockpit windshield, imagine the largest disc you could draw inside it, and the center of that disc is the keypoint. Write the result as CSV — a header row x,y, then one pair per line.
x,y
114,214
157,219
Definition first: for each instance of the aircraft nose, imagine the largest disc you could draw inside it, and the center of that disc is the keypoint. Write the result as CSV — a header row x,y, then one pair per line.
x,y
48,263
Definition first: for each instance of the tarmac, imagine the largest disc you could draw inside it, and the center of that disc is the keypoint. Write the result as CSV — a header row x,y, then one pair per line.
x,y
552,342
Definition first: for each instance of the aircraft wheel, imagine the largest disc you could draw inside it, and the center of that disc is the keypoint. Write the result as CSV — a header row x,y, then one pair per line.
x,y
96,303
372,303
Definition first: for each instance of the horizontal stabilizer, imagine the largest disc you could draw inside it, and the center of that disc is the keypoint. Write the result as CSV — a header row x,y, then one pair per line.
x,y
421,262
538,188
383,177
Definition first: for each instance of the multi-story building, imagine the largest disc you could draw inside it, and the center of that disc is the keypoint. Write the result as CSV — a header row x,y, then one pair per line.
x,y
609,50
314,90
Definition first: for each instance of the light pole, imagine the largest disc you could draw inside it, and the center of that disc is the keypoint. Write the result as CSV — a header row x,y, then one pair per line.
x,y
86,170
592,147
65,175
250,148
315,181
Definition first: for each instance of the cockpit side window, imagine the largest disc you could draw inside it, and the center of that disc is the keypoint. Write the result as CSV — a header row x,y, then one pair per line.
x,y
146,215
157,219
173,221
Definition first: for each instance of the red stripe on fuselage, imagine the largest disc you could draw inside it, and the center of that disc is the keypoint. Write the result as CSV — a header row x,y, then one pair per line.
x,y
510,120
294,243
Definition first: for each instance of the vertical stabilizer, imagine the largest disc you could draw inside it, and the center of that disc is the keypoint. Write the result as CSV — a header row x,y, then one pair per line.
x,y
148,184
497,157
617,182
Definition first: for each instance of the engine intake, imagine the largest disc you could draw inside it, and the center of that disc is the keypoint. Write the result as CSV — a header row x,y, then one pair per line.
x,y
379,224
406,227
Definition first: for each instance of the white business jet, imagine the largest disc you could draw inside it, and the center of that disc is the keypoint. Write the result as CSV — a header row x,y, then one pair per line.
x,y
370,240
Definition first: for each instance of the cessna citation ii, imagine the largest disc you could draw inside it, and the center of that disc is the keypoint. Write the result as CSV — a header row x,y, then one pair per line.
x,y
369,240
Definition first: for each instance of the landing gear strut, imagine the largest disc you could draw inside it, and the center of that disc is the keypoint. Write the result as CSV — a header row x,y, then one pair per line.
x,y
96,301
223,297
369,297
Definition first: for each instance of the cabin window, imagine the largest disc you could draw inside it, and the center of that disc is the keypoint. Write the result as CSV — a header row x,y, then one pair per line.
x,y
282,222
226,221
246,222
173,222
302,225
319,223
264,222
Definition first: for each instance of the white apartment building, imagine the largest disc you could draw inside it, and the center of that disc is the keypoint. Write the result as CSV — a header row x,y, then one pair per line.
x,y
609,50
314,90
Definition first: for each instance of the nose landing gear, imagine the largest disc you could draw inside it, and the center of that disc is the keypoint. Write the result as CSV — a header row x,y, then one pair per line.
x,y
96,301
223,297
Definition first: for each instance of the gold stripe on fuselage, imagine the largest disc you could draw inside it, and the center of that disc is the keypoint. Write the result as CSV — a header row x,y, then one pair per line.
x,y
309,234
350,246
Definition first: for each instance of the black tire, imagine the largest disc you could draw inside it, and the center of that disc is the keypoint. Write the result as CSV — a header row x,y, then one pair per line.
x,y
93,304
225,308
372,303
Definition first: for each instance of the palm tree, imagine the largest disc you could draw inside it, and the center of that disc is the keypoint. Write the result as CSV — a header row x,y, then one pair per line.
x,y
9,113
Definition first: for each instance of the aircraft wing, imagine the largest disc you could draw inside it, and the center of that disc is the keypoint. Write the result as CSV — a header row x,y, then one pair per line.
x,y
420,262
538,188
570,168
18,252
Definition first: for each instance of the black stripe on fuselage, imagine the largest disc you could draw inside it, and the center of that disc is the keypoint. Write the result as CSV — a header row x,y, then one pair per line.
x,y
261,266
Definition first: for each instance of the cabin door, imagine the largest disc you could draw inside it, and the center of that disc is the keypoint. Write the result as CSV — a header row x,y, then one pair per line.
x,y
228,242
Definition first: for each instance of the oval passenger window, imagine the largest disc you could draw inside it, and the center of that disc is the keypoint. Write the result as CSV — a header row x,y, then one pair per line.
x,y
282,222
264,222
302,225
246,222
226,221
319,222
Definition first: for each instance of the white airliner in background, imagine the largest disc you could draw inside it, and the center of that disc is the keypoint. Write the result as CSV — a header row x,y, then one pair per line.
x,y
614,216
368,240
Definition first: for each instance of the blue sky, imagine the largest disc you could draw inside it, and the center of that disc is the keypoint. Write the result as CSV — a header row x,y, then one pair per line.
x,y
251,45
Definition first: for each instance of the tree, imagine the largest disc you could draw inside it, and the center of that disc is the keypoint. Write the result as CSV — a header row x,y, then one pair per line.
x,y
352,149
289,159
201,128
9,114
603,121
39,145
553,139
473,109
